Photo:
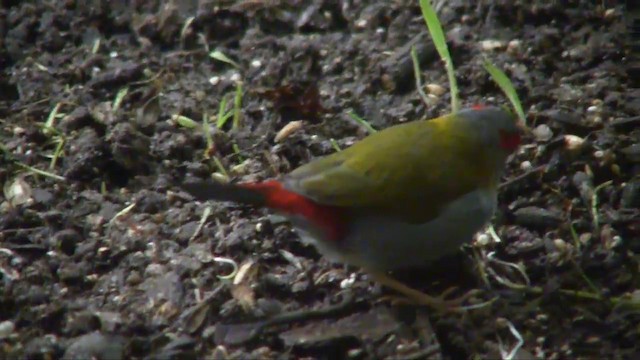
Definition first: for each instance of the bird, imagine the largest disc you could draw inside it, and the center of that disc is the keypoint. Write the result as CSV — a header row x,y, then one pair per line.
x,y
401,197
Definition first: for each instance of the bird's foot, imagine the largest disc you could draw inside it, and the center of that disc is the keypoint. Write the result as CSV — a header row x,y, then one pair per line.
x,y
414,297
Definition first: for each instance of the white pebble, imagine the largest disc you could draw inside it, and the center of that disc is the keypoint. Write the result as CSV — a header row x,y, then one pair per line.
x,y
573,142
235,77
560,244
348,282
436,89
483,239
491,44
432,97
514,46
526,165
610,14
17,131
543,133
6,329
214,80
361,24
616,241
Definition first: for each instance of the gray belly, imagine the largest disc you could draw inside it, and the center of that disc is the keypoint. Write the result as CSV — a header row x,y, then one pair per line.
x,y
383,244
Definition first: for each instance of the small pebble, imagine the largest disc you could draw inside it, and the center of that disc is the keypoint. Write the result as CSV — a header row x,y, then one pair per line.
x,y
514,46
355,353
502,323
6,329
405,348
96,345
585,239
593,340
219,353
483,239
19,192
154,270
17,131
220,177
348,282
609,14
134,278
543,133
560,244
436,89
573,142
616,241
490,44
235,77
214,80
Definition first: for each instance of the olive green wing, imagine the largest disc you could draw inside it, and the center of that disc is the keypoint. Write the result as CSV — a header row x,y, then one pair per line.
x,y
412,171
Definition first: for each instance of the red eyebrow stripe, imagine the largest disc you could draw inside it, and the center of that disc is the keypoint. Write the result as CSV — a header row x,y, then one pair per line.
x,y
478,107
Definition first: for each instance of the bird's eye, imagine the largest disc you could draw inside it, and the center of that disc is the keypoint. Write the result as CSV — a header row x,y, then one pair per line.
x,y
509,140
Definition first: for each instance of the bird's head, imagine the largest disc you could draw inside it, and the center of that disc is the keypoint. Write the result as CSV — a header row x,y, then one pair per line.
x,y
495,127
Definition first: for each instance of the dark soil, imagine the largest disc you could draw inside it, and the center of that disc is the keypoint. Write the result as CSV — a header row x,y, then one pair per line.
x,y
108,257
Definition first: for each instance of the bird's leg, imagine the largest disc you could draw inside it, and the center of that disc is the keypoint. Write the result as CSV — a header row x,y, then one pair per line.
x,y
417,297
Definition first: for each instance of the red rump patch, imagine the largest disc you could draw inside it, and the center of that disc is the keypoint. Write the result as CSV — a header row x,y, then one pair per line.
x,y
478,107
509,140
288,202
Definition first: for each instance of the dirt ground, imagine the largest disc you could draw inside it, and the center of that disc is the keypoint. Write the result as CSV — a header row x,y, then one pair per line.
x,y
102,254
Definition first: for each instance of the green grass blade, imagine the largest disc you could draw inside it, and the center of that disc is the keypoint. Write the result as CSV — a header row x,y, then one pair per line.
x,y
57,153
184,121
48,128
418,75
220,167
437,35
237,104
41,172
335,145
507,87
220,56
223,116
117,102
364,123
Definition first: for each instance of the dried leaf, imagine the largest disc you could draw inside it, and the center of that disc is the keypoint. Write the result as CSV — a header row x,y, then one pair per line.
x,y
17,192
295,101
